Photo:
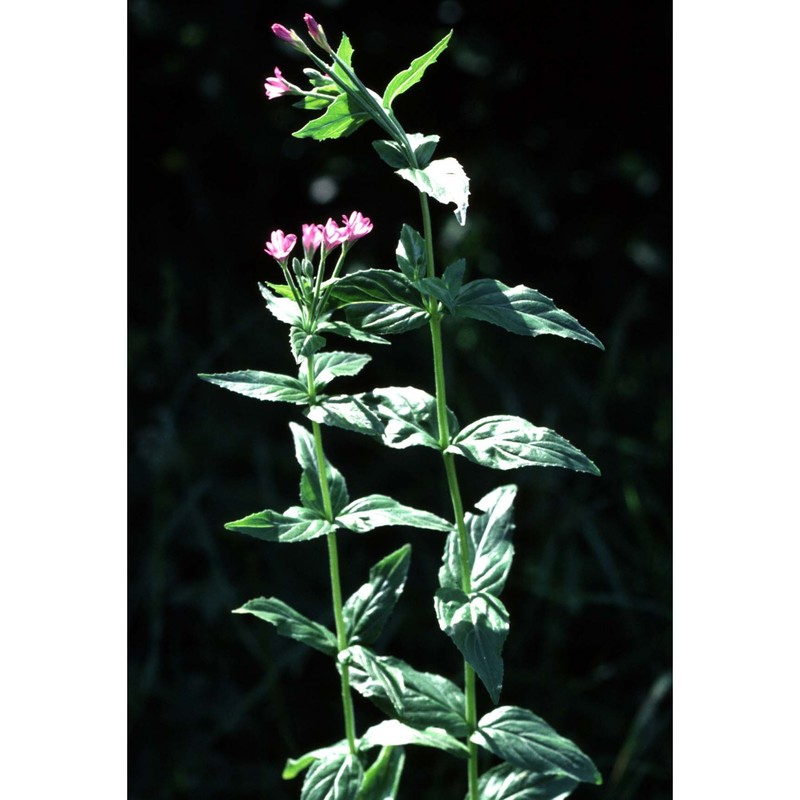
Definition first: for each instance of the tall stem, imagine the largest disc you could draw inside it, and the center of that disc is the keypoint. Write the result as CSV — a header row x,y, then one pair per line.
x,y
435,325
333,560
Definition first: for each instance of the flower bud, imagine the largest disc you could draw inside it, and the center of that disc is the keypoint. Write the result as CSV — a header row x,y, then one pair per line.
x,y
290,37
316,33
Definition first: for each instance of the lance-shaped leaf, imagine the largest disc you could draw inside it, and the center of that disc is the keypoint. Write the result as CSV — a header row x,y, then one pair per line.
x,y
350,332
394,732
282,307
336,776
332,364
388,319
366,611
378,510
505,782
506,442
403,81
520,310
524,740
394,154
429,700
411,255
490,549
345,411
341,118
376,286
382,779
344,53
310,489
444,180
478,625
408,417
294,766
296,524
291,623
378,676
261,385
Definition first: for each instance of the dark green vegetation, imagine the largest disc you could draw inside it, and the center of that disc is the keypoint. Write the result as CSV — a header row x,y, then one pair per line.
x,y
561,120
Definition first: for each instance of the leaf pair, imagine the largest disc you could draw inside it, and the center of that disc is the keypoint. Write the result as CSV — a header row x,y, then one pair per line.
x,y
309,521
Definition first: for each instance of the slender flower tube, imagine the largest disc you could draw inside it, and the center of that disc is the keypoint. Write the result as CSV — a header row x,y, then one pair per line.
x,y
316,33
280,246
356,225
312,239
277,86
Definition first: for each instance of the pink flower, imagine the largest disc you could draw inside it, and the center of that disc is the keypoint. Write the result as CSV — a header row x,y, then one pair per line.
x,y
312,239
280,246
276,86
316,33
333,235
356,226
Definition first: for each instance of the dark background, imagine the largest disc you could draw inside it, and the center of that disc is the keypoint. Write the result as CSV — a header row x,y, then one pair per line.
x,y
560,114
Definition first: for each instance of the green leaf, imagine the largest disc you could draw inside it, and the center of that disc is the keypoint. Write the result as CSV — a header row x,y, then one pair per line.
x,y
304,344
505,782
283,308
404,80
342,117
330,365
345,411
350,332
261,385
336,776
506,442
524,740
382,779
490,549
428,700
378,510
294,766
444,180
378,676
392,732
291,623
478,625
310,490
520,310
344,53
388,319
376,286
393,153
408,416
446,288
294,525
366,611
411,254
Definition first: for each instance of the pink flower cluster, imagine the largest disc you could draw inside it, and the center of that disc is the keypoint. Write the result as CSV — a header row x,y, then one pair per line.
x,y
329,236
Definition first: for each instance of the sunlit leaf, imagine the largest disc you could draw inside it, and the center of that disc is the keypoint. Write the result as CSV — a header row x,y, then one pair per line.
x,y
478,625
521,310
506,442
524,740
404,80
444,180
291,623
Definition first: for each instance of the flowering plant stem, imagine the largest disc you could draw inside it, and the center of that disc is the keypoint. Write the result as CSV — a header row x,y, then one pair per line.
x,y
425,708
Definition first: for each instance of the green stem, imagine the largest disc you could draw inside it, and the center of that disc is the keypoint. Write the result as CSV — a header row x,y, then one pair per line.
x,y
458,509
336,583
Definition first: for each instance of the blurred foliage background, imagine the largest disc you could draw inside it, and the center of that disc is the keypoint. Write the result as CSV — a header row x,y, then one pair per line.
x,y
560,113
